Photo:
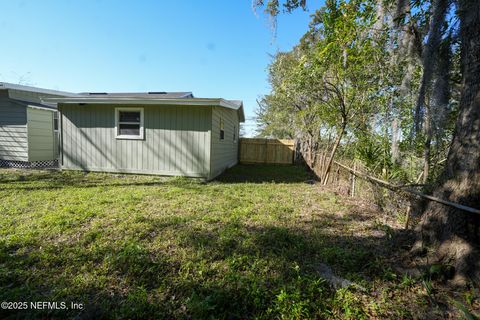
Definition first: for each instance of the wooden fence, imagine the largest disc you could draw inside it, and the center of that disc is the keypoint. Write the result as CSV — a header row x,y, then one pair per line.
x,y
272,151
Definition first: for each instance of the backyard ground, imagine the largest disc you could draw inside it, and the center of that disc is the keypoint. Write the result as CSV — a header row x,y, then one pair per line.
x,y
258,242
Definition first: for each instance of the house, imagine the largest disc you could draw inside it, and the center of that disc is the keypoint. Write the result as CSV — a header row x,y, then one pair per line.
x,y
165,133
28,127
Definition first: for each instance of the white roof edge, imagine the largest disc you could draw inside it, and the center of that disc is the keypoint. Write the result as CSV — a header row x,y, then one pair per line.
x,y
7,85
41,108
151,101
188,94
126,100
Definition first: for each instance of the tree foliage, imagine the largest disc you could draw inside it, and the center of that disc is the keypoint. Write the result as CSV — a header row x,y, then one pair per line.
x,y
363,65
323,89
392,83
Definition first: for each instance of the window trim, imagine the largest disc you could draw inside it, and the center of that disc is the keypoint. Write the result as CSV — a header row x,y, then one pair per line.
x,y
222,129
129,137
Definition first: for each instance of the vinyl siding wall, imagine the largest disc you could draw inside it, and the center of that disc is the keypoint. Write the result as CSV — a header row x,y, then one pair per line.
x,y
13,131
224,152
41,138
19,141
177,140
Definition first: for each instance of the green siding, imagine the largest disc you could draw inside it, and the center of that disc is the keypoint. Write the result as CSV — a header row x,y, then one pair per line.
x,y
13,131
41,138
224,152
177,140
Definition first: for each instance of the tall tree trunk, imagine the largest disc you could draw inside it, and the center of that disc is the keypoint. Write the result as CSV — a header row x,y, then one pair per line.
x,y
310,151
394,149
428,142
439,11
452,233
441,95
332,154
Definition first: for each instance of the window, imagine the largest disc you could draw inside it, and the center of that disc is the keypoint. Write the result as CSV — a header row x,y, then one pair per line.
x,y
234,133
55,121
129,123
222,129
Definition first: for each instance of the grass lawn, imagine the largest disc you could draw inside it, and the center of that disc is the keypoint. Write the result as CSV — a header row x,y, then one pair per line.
x,y
251,244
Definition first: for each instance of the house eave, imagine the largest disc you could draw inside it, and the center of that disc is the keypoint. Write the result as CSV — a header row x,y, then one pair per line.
x,y
12,86
151,101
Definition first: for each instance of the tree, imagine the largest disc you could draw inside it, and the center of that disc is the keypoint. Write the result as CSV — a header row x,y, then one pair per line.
x,y
428,33
324,84
455,233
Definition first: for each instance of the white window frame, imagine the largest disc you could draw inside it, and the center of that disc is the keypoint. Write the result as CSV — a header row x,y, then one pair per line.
x,y
117,119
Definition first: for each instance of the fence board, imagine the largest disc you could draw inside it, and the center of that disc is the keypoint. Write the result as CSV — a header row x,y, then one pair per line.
x,y
271,151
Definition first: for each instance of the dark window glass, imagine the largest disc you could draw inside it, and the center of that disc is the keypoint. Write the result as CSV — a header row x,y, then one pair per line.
x,y
129,116
129,123
55,121
222,129
129,129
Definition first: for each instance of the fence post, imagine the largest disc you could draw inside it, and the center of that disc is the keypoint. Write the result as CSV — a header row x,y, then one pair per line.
x,y
407,220
294,153
320,166
265,160
337,178
352,191
323,167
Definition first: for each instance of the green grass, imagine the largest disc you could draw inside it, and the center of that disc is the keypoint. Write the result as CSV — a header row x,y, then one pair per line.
x,y
248,245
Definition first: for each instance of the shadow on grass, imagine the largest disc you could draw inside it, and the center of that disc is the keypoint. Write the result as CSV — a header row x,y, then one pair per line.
x,y
260,173
47,180
231,271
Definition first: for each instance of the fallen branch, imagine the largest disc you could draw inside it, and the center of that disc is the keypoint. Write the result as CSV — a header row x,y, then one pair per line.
x,y
401,188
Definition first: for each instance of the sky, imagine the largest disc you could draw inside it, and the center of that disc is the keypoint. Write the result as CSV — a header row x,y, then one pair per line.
x,y
215,49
